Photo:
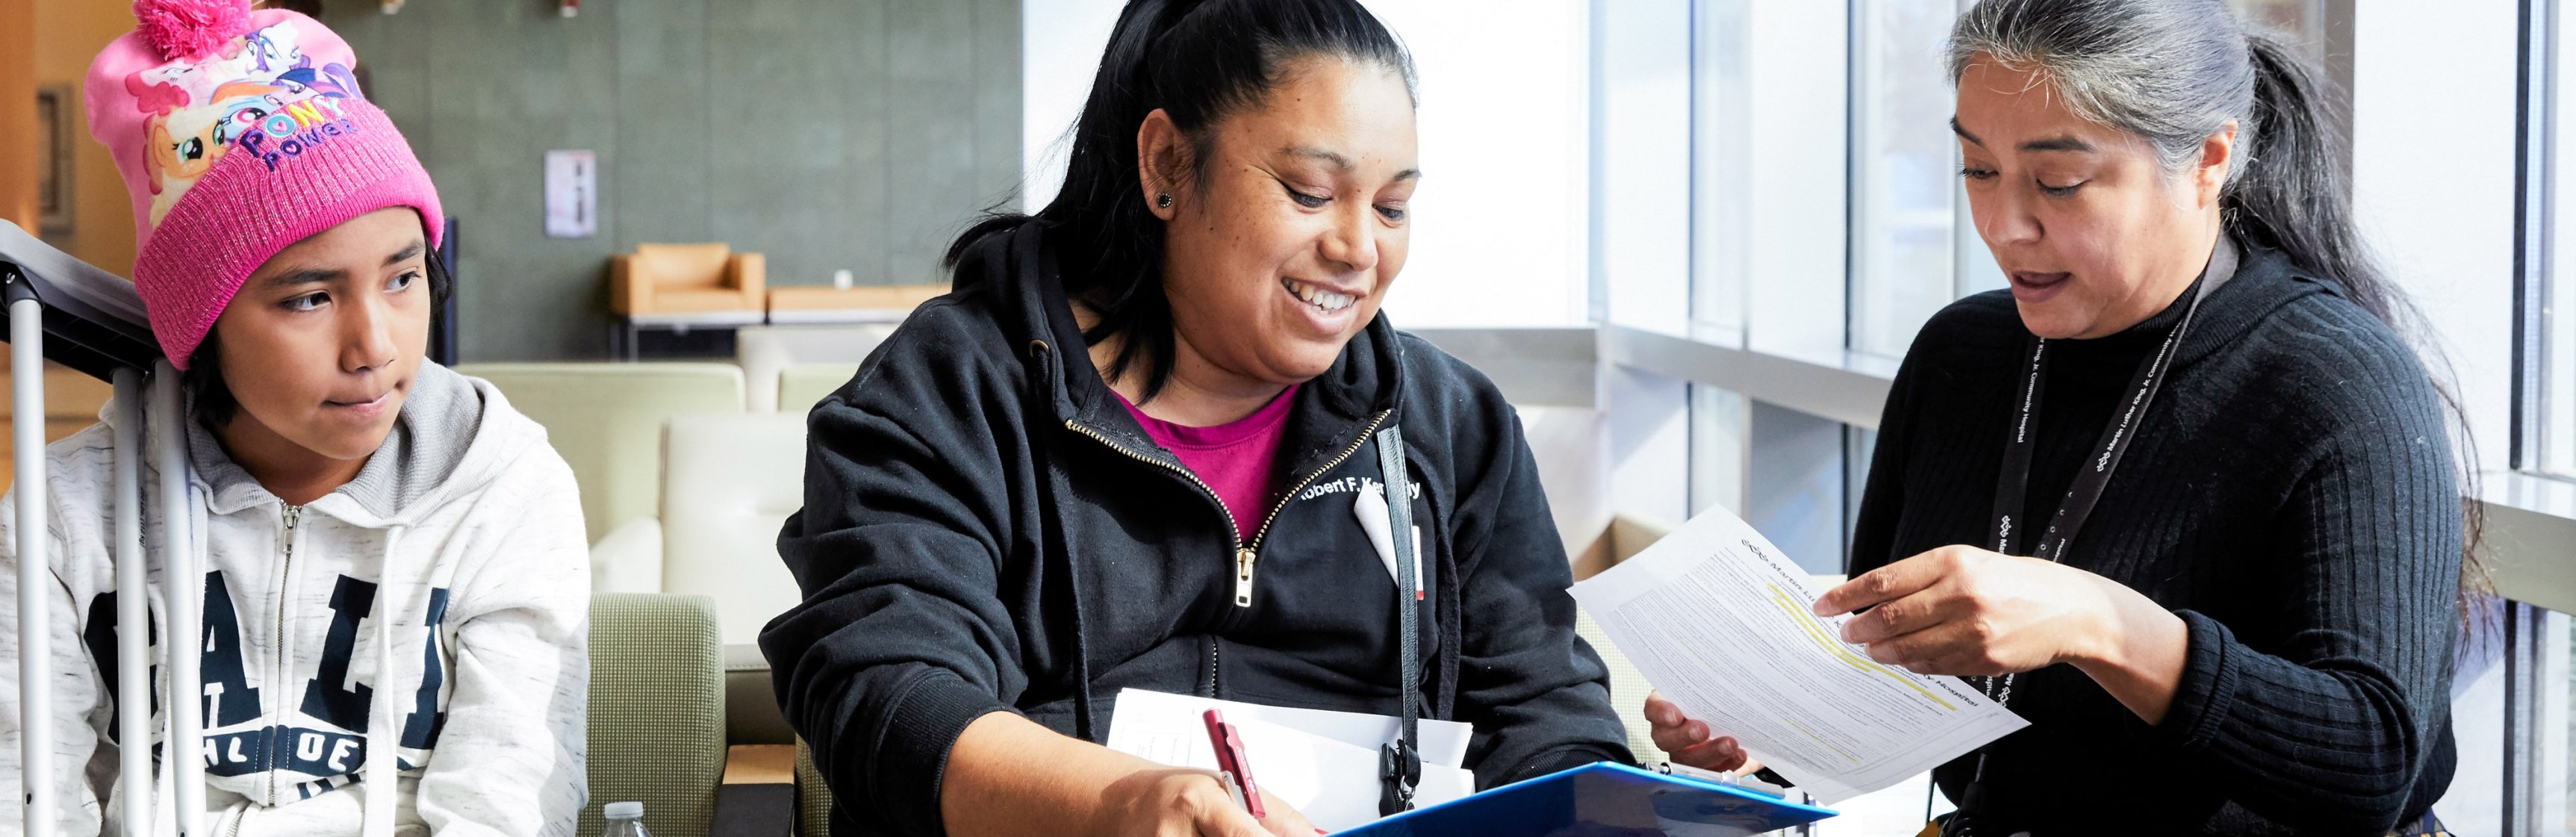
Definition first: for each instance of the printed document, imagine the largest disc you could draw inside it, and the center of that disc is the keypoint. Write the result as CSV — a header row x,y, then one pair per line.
x,y
1322,762
1717,620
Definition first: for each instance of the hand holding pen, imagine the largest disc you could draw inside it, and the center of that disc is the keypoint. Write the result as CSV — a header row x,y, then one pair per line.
x,y
1234,770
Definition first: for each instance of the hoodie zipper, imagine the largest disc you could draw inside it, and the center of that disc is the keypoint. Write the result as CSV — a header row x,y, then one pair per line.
x,y
285,570
1365,432
1247,554
1234,535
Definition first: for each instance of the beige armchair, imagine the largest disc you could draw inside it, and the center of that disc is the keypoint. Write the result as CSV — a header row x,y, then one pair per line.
x,y
686,278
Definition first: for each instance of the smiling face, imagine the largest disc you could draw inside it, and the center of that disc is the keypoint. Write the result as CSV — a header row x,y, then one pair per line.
x,y
1280,244
2092,232
322,344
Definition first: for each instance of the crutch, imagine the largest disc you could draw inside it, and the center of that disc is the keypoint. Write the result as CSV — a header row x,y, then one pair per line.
x,y
35,637
133,605
63,310
185,583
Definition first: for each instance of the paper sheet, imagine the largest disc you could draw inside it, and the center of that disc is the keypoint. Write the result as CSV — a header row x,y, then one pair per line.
x,y
1443,742
1718,622
1324,763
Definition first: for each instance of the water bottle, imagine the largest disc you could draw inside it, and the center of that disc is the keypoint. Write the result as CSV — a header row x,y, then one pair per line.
x,y
625,819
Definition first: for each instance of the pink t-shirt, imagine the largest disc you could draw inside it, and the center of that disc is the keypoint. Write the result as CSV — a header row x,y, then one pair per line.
x,y
1233,458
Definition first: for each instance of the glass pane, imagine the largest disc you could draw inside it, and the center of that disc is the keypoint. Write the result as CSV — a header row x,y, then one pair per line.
x,y
1641,151
2303,20
2558,376
2475,804
1721,161
1903,164
2557,756
2553,397
1721,434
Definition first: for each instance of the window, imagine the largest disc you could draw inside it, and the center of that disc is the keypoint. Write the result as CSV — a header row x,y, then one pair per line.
x,y
1721,127
2548,346
2509,700
1905,205
2549,378
2545,412
2302,20
2557,727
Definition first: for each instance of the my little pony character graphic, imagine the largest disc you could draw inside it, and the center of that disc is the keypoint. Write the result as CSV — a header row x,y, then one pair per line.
x,y
178,158
198,108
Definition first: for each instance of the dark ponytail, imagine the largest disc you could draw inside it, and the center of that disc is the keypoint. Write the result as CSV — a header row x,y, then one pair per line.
x,y
2292,194
1199,61
2295,197
2174,72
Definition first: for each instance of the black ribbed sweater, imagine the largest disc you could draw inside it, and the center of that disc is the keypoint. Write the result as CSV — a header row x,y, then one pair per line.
x,y
2290,495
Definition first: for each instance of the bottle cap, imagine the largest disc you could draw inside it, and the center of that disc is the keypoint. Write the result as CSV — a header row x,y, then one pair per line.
x,y
625,810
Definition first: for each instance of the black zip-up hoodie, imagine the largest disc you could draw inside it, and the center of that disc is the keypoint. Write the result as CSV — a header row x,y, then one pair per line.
x,y
985,530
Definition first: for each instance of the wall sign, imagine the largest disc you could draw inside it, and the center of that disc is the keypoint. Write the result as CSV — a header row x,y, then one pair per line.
x,y
572,194
54,195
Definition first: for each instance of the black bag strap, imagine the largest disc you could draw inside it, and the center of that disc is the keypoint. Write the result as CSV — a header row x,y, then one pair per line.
x,y
1400,761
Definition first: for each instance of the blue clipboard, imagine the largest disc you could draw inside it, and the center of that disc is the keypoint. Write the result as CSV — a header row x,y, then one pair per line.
x,y
1603,799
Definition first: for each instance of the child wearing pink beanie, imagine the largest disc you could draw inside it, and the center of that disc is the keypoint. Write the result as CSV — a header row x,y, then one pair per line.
x,y
238,133
396,595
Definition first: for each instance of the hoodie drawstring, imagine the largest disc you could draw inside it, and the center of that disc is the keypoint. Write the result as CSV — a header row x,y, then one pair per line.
x,y
384,736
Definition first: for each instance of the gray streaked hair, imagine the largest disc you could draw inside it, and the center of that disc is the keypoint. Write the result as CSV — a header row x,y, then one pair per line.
x,y
2174,72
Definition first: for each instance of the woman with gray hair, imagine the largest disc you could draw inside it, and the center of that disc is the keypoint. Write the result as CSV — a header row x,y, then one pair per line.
x,y
2220,568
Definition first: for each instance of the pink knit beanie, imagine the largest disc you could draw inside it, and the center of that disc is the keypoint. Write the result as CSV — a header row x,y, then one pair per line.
x,y
238,133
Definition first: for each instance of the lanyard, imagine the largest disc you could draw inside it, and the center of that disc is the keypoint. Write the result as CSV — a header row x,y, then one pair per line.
x,y
2012,485
1400,761
2013,482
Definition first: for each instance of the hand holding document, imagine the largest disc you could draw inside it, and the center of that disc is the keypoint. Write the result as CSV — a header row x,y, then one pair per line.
x,y
1322,762
1719,623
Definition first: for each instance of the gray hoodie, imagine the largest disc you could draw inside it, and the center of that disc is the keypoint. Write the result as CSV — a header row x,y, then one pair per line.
x,y
464,526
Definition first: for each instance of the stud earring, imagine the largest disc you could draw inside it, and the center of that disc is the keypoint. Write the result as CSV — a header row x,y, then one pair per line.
x,y
1163,200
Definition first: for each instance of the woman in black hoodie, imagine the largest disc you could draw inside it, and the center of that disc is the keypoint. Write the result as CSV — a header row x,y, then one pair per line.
x,y
1133,449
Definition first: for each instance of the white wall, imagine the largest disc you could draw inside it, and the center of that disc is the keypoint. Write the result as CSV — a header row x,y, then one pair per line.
x,y
1499,221
1060,46
2433,170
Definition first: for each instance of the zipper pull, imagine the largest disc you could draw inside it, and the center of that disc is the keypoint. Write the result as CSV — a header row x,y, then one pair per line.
x,y
1243,559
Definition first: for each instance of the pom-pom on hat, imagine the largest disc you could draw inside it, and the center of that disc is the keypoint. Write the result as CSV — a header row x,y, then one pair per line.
x,y
238,133
191,29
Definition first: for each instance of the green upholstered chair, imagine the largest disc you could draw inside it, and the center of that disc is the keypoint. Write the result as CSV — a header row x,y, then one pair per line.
x,y
813,800
657,710
606,420
802,385
766,351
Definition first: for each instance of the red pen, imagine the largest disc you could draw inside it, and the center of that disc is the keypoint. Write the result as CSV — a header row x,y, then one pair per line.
x,y
1232,763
